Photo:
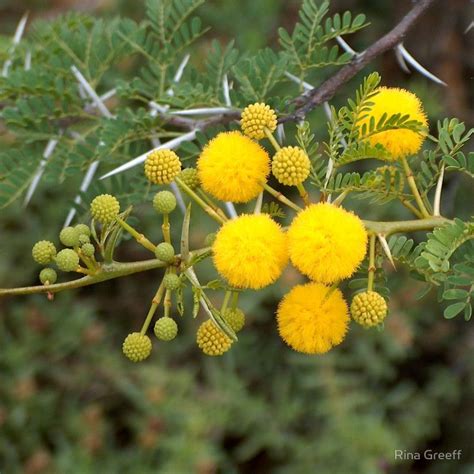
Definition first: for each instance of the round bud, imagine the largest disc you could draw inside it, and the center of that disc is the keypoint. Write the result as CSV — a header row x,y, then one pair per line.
x,y
164,252
291,165
166,329
43,252
88,250
84,239
69,237
211,340
189,176
162,166
164,202
136,347
235,318
48,276
171,281
67,260
105,208
256,118
368,308
83,229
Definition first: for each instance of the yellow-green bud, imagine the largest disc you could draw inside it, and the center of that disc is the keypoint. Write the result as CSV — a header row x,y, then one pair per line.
x,y
48,276
43,252
211,340
189,176
136,347
171,281
166,329
164,202
67,260
162,166
235,318
164,252
368,308
105,208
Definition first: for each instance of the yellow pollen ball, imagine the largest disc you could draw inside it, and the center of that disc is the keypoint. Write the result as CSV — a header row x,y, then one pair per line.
x,y
368,308
313,318
256,118
232,167
291,165
399,142
250,251
211,340
162,166
327,243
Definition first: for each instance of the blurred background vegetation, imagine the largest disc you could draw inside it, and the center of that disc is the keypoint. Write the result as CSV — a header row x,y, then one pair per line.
x,y
71,403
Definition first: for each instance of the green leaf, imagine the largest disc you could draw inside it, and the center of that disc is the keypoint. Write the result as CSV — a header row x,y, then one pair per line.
x,y
453,310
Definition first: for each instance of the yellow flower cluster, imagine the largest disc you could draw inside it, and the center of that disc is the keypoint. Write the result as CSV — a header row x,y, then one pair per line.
x,y
250,251
390,101
327,243
313,318
232,167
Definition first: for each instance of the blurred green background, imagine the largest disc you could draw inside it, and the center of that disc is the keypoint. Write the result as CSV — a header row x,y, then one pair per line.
x,y
71,403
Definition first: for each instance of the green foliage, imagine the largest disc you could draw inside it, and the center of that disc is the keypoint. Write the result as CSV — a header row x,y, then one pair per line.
x,y
306,46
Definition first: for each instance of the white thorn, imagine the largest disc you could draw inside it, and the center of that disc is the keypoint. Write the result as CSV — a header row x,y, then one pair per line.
x,y
386,249
345,46
469,28
203,111
413,62
181,67
281,133
306,85
20,29
437,197
48,151
226,91
140,159
231,210
91,92
27,61
157,108
86,181
401,60
258,204
179,74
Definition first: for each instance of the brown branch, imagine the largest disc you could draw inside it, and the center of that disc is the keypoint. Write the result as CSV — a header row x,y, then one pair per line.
x,y
308,101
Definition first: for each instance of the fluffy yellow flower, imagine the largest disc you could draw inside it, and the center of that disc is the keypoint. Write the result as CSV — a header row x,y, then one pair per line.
x,y
312,318
232,167
391,101
250,251
327,243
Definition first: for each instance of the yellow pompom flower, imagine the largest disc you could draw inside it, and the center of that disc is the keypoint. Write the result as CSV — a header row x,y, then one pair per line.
x,y
232,167
390,100
250,251
327,243
256,118
291,165
313,318
162,166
